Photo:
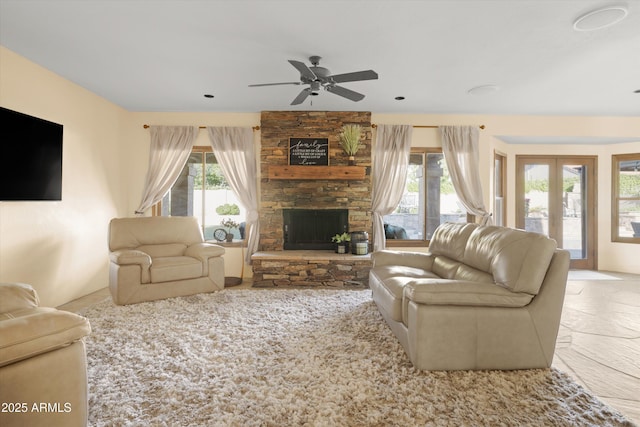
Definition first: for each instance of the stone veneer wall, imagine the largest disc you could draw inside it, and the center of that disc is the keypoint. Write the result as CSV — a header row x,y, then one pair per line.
x,y
276,128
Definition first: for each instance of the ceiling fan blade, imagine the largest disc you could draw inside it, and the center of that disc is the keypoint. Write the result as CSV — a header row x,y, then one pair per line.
x,y
345,93
301,97
354,77
303,69
276,84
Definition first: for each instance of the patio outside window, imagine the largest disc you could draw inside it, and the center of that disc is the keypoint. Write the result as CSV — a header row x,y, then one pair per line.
x,y
202,191
625,224
428,200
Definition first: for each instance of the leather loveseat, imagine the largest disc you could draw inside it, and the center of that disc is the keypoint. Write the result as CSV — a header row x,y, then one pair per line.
x,y
159,257
483,297
43,364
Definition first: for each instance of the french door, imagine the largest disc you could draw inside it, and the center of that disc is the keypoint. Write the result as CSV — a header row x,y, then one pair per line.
x,y
556,196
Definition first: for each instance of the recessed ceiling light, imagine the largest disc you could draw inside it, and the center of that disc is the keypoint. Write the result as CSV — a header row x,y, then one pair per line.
x,y
399,98
483,90
601,18
208,95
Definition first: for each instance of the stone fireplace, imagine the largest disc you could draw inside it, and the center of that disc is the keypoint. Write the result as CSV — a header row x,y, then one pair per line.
x,y
315,192
329,199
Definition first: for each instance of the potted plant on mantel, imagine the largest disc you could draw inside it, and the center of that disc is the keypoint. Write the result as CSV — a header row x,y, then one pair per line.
x,y
350,141
342,242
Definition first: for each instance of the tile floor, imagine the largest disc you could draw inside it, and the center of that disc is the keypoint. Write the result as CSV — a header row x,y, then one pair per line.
x,y
599,339
598,342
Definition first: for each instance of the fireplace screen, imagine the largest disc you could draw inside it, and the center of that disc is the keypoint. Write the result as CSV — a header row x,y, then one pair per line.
x,y
312,228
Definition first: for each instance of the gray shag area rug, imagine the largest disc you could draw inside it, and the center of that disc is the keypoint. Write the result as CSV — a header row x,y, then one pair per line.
x,y
315,357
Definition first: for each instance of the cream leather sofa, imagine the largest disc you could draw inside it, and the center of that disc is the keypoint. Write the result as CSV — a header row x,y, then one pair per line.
x,y
484,297
157,257
43,365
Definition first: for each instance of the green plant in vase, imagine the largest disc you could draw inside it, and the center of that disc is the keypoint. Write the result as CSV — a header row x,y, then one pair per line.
x,y
342,242
350,141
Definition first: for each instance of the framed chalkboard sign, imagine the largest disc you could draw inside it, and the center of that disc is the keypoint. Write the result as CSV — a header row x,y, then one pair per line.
x,y
309,151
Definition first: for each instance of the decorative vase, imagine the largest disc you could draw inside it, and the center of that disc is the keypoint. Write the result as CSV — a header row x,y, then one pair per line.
x,y
352,161
229,237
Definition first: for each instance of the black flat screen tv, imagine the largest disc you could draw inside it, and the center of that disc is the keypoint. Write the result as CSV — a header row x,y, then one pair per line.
x,y
30,158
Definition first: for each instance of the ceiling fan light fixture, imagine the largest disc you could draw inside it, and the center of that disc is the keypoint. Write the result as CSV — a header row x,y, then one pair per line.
x,y
483,90
600,18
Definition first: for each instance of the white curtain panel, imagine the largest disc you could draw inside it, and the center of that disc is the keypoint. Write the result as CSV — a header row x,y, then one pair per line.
x,y
460,149
236,154
170,149
389,174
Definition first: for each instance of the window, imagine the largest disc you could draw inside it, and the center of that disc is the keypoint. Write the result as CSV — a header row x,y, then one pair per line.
x,y
625,224
202,191
499,189
428,200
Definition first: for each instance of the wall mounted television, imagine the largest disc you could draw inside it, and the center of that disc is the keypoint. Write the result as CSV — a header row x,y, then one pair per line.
x,y
30,158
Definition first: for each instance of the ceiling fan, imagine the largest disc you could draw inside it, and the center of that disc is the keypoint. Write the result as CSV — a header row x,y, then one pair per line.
x,y
318,77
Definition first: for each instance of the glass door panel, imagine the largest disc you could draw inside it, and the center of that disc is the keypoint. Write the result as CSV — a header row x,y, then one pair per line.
x,y
573,198
536,197
556,197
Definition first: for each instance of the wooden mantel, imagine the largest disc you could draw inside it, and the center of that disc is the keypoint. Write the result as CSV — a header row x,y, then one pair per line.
x,y
317,172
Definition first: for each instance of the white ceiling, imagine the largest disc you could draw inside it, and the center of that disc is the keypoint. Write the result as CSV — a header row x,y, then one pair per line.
x,y
165,55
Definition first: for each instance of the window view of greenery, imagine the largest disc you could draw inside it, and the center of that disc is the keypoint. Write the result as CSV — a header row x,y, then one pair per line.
x,y
428,200
202,191
627,199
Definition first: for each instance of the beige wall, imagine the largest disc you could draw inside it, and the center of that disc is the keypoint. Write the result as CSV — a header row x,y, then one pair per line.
x,y
60,247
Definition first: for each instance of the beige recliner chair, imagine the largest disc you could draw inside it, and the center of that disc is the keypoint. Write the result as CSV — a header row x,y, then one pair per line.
x,y
43,365
158,257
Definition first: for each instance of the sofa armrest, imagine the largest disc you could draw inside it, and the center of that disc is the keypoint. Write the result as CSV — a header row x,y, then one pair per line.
x,y
27,333
203,251
133,257
130,256
17,296
409,259
463,293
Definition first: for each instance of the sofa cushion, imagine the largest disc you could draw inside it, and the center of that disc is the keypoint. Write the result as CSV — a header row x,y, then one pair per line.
x,y
450,239
445,267
393,279
168,269
518,260
29,332
463,293
164,249
129,233
471,274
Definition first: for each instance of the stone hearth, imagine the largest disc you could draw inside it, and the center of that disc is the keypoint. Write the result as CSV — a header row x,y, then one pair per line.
x,y
310,268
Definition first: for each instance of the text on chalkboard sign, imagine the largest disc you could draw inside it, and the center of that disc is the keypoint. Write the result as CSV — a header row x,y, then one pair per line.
x,y
309,151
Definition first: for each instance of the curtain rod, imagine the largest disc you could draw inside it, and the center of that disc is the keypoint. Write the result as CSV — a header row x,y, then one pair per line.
x,y
373,125
204,127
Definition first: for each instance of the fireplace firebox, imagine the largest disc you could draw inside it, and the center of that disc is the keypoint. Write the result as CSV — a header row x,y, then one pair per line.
x,y
312,229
